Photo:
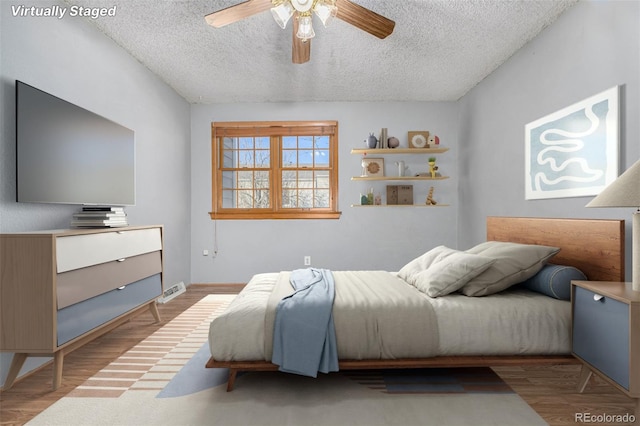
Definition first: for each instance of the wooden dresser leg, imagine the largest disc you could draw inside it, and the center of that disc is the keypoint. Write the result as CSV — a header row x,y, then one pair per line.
x,y
16,365
153,307
585,375
58,361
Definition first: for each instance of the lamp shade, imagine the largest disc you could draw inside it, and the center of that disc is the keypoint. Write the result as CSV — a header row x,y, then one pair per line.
x,y
623,192
325,11
282,13
305,28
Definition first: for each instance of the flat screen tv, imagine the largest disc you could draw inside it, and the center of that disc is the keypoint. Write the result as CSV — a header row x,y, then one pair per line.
x,y
68,155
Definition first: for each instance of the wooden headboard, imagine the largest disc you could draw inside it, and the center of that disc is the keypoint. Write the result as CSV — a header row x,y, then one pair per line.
x,y
595,246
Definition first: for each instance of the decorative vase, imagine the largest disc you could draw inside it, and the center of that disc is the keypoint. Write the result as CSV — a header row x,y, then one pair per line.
x,y
393,142
371,141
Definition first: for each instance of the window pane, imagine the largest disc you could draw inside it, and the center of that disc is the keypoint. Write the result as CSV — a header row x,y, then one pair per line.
x,y
289,142
322,142
262,199
305,142
305,158
289,179
228,180
245,143
263,142
305,198
228,199
305,179
321,198
261,180
289,198
322,179
262,159
289,158
244,199
229,155
245,180
321,157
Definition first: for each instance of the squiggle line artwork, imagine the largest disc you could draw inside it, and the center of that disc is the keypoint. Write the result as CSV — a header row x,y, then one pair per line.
x,y
573,142
573,152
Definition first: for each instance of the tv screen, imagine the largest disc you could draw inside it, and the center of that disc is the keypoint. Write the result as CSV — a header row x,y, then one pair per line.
x,y
68,155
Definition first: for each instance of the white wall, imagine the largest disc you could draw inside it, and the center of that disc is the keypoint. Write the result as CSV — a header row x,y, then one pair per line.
x,y
592,47
72,60
363,238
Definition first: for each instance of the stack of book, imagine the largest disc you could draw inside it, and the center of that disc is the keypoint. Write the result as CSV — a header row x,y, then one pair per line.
x,y
100,217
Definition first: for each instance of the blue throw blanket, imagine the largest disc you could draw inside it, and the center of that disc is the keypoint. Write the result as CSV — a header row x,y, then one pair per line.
x,y
304,338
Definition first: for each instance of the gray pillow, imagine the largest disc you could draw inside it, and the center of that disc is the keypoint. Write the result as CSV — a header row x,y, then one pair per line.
x,y
513,264
554,281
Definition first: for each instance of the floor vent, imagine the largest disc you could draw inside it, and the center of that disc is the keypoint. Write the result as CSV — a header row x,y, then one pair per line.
x,y
172,292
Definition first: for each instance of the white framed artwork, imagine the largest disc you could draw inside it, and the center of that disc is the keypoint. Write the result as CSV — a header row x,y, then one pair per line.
x,y
573,152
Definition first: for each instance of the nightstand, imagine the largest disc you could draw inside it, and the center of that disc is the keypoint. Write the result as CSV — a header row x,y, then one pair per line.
x,y
606,334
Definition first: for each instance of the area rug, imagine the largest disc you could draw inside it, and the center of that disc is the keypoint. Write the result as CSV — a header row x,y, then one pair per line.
x,y
162,381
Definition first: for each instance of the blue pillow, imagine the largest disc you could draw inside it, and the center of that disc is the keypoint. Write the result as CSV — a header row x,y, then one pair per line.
x,y
554,281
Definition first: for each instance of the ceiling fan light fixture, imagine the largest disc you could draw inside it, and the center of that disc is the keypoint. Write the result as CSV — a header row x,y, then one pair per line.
x,y
302,5
326,10
305,27
282,13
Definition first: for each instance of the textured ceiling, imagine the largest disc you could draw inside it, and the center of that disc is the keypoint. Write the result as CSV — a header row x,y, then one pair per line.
x,y
439,50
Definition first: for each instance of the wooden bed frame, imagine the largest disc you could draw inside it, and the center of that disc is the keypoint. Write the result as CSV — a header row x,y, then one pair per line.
x,y
595,246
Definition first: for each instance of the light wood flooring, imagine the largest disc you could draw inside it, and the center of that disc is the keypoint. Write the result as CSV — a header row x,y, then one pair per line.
x,y
550,390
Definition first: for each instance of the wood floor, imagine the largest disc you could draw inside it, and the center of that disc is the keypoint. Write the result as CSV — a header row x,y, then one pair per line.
x,y
550,390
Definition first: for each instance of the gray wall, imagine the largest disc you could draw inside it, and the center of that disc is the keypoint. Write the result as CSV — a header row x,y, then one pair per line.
x,y
74,61
363,238
592,47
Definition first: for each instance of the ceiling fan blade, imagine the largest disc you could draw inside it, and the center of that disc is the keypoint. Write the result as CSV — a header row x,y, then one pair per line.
x,y
365,19
235,13
301,50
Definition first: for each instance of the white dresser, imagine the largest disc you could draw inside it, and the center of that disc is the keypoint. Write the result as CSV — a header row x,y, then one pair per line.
x,y
61,289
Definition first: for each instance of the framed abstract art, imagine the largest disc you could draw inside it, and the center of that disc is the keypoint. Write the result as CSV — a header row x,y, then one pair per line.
x,y
573,152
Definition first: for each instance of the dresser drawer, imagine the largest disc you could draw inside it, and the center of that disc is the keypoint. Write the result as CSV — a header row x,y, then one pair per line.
x,y
75,320
80,251
601,334
80,284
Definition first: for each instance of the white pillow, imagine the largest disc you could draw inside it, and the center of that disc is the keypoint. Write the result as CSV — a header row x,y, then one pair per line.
x,y
451,273
514,263
443,270
423,262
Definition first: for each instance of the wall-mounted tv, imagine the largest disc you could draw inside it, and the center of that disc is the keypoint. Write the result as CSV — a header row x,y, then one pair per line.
x,y
66,154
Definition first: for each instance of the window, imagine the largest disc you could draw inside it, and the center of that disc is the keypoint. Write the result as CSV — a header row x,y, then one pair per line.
x,y
275,170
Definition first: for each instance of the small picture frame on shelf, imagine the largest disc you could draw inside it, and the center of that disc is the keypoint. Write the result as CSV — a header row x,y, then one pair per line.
x,y
373,167
418,139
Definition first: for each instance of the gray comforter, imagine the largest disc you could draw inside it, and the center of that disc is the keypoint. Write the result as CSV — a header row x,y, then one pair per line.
x,y
376,316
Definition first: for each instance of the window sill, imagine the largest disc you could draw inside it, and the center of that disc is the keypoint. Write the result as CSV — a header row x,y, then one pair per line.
x,y
250,215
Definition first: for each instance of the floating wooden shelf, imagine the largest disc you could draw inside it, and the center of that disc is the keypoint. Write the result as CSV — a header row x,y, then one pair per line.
x,y
399,205
383,151
398,178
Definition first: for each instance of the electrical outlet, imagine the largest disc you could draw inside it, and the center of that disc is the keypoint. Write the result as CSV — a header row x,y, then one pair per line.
x,y
205,252
307,261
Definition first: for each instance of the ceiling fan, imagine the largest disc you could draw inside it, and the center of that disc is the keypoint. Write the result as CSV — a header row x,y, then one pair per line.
x,y
301,11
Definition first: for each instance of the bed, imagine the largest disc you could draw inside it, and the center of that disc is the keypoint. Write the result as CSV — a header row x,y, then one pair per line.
x,y
514,325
